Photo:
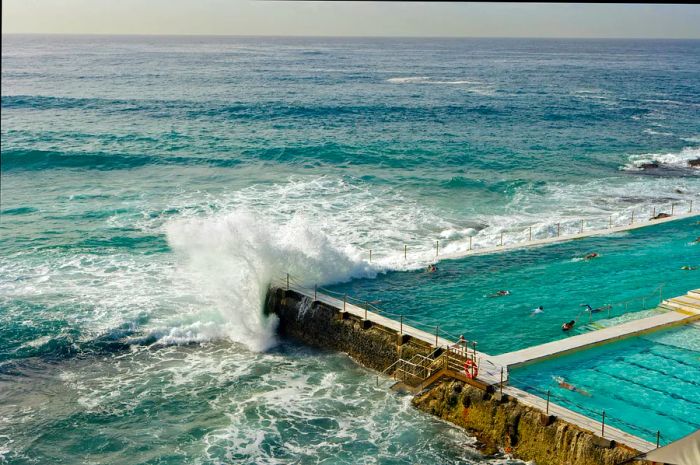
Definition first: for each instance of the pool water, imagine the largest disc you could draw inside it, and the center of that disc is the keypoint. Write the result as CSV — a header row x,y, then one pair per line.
x,y
645,384
630,265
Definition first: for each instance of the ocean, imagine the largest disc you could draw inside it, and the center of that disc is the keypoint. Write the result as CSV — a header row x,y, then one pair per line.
x,y
153,186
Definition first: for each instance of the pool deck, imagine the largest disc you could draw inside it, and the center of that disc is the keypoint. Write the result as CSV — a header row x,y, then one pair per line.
x,y
682,310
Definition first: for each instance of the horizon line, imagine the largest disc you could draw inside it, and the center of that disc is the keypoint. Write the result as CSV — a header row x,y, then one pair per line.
x,y
299,36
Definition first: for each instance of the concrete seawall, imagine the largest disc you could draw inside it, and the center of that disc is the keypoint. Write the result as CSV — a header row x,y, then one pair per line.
x,y
497,421
320,325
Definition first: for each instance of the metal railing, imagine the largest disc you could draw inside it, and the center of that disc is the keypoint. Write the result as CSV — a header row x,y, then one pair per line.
x,y
366,309
568,228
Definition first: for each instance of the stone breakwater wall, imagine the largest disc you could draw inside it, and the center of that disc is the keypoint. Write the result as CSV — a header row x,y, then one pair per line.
x,y
499,422
323,326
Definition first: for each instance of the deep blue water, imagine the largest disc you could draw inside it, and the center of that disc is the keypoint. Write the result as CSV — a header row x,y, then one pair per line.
x,y
152,187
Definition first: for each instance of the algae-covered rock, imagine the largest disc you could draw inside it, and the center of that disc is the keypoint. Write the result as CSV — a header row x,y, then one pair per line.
x,y
516,428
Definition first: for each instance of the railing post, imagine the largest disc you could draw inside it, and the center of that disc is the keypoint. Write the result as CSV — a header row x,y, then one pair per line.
x,y
437,248
558,229
470,242
602,426
501,244
287,281
370,255
474,346
501,380
547,409
345,299
658,439
610,223
405,247
581,230
632,219
530,234
653,214
690,208
366,305
437,328
401,325
673,207
315,291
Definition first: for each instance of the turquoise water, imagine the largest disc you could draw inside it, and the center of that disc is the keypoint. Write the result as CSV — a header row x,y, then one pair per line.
x,y
645,384
151,187
458,297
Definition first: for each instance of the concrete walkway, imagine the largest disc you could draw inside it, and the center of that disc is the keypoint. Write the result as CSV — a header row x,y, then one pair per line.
x,y
563,238
594,338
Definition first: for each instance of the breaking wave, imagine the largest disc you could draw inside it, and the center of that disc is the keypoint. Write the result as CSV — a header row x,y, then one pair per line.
x,y
673,161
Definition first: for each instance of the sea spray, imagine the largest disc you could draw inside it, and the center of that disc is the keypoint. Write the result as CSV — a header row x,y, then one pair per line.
x,y
232,258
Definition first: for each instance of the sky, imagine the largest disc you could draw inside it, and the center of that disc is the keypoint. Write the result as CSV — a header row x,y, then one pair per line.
x,y
304,18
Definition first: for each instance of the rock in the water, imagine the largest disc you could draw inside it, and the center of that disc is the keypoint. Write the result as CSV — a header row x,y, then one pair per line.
x,y
694,163
661,215
649,166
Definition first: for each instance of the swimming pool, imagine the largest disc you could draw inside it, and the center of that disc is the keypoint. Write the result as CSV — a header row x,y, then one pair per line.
x,y
645,384
630,265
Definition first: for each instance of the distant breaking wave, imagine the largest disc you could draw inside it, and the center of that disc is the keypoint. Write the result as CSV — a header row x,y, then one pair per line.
x,y
673,161
426,80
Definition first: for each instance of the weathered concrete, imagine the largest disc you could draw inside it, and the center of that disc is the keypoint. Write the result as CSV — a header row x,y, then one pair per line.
x,y
502,422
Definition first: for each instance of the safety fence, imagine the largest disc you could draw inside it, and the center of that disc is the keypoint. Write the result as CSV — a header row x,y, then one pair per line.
x,y
569,228
610,313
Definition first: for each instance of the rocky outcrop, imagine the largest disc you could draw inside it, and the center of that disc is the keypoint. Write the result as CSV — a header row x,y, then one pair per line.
x,y
694,163
660,216
502,423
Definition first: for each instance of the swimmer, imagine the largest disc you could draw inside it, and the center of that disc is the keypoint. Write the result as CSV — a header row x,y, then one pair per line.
x,y
537,311
563,384
568,326
590,256
689,268
431,268
597,309
500,294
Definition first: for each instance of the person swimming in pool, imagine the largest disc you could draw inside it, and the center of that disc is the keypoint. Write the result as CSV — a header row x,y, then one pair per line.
x,y
563,384
568,326
688,268
537,311
590,256
597,309
500,294
432,268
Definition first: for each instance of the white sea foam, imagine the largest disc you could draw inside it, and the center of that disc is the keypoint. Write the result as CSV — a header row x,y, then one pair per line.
x,y
428,80
402,80
653,132
671,160
232,258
